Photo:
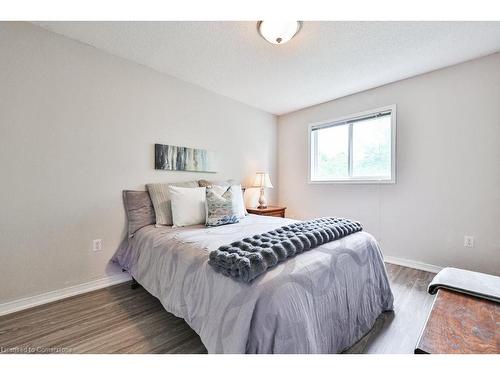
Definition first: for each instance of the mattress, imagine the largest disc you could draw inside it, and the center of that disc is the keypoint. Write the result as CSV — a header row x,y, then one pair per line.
x,y
321,301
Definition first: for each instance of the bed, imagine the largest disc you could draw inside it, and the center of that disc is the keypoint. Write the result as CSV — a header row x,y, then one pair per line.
x,y
321,301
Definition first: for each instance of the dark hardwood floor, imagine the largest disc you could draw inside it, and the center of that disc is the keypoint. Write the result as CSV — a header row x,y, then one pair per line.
x,y
119,319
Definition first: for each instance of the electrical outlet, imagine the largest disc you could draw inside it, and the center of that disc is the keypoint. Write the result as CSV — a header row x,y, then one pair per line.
x,y
468,241
97,245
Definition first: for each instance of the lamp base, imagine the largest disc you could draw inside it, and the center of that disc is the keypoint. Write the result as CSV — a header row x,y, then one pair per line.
x,y
262,199
261,207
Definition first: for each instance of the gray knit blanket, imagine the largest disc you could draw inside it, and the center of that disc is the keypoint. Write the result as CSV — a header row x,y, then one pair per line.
x,y
252,256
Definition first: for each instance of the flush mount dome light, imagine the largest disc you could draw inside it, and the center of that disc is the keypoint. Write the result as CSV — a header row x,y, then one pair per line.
x,y
278,32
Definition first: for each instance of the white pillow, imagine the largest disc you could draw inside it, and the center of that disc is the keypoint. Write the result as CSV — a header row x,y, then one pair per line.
x,y
161,200
237,193
188,205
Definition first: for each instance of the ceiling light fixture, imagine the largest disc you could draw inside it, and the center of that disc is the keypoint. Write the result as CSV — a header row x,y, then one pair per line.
x,y
278,32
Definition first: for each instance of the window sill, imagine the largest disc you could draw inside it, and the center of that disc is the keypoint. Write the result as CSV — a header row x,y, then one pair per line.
x,y
352,181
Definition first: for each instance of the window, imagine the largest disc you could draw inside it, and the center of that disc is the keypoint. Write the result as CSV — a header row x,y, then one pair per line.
x,y
357,148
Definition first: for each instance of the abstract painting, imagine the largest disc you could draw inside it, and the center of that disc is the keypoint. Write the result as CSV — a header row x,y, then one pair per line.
x,y
176,158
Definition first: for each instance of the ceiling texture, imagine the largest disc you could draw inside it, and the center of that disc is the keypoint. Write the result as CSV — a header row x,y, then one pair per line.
x,y
324,61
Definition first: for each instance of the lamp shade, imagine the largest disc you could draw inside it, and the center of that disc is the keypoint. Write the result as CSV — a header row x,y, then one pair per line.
x,y
262,180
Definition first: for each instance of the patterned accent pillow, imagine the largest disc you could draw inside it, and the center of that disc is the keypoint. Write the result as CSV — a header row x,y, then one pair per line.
x,y
219,208
238,193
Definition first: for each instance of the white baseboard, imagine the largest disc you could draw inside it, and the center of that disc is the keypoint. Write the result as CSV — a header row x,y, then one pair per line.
x,y
413,264
26,303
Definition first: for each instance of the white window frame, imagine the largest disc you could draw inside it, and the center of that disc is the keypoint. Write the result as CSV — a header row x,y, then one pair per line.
x,y
345,120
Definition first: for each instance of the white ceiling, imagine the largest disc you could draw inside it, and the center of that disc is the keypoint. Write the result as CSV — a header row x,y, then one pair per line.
x,y
325,60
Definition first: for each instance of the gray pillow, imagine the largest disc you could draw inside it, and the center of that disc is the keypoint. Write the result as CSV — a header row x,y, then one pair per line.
x,y
224,183
161,200
139,210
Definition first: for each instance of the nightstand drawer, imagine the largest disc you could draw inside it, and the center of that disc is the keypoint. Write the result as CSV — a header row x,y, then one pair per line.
x,y
275,211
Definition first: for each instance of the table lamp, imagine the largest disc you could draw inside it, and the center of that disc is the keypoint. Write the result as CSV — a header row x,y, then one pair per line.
x,y
262,181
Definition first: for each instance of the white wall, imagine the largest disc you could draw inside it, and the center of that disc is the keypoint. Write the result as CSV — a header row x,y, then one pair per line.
x,y
78,126
448,167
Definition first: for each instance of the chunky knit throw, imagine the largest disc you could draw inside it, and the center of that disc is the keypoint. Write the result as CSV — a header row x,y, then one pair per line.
x,y
252,256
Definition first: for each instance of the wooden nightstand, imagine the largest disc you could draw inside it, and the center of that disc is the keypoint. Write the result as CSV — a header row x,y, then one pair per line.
x,y
276,211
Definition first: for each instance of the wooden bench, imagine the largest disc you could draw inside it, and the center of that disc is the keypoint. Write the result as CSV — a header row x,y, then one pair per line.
x,y
461,324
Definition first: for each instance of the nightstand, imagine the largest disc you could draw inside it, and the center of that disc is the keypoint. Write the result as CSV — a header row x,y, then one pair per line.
x,y
276,211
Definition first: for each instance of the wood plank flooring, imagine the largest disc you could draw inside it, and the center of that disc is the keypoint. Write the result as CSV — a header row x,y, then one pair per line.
x,y
119,319
397,332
